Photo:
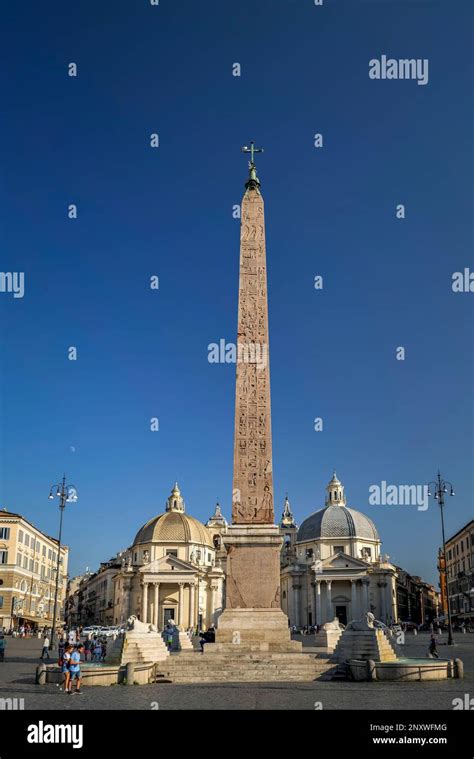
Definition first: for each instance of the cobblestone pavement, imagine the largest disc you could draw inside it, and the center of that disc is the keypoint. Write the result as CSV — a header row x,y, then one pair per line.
x,y
17,681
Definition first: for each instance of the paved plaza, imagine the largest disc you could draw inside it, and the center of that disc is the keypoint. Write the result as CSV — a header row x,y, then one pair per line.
x,y
18,669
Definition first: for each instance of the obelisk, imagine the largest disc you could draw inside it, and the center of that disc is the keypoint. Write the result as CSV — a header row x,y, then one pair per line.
x,y
253,618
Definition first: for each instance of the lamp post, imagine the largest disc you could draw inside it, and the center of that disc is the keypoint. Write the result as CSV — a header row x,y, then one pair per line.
x,y
66,494
440,490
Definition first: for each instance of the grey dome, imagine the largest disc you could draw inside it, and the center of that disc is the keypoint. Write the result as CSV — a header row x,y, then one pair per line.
x,y
337,522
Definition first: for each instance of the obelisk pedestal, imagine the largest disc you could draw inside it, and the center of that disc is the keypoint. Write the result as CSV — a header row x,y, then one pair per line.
x,y
253,620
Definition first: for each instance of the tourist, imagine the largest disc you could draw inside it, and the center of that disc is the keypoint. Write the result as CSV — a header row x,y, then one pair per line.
x,y
97,650
45,651
87,649
207,637
433,649
71,638
3,644
169,636
75,670
103,652
64,665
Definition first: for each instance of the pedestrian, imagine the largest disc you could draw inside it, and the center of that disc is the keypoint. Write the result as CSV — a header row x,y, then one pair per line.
x,y
97,650
45,651
169,636
75,670
433,649
3,644
71,638
104,650
87,649
64,665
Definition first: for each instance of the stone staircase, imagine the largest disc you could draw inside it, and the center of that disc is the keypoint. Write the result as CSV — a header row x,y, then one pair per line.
x,y
137,647
363,644
194,667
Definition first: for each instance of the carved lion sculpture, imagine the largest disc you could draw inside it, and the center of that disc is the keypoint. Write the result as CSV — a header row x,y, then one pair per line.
x,y
366,623
133,623
334,625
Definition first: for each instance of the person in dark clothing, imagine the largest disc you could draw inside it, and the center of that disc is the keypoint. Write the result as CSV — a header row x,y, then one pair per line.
x,y
433,648
207,637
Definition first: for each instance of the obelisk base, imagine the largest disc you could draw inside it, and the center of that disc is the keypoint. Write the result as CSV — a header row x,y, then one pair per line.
x,y
253,620
242,631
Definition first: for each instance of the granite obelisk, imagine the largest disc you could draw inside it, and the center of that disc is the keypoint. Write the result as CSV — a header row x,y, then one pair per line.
x,y
253,618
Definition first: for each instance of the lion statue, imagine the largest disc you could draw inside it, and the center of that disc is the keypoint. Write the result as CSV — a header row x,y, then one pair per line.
x,y
133,623
366,623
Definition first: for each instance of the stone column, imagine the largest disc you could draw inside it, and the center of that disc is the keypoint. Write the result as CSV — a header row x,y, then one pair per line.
x,y
296,604
192,591
180,604
156,615
366,596
145,602
354,609
196,604
329,610
318,602
212,615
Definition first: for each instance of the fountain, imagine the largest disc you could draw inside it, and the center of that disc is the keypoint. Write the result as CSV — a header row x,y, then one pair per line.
x,y
370,655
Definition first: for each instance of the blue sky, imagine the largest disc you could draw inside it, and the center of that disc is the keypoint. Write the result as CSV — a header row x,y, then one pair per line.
x,y
168,211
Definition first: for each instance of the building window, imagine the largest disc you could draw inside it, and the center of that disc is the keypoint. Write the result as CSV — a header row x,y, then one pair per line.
x,y
25,562
44,550
172,552
50,554
338,549
36,567
4,533
32,564
3,557
27,540
18,559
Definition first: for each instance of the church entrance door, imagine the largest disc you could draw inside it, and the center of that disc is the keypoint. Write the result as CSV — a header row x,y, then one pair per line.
x,y
167,615
341,614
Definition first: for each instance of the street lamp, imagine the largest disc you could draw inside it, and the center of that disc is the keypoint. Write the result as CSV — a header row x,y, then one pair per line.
x,y
66,494
440,489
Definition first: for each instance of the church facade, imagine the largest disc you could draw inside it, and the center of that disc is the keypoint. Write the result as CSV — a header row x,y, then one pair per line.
x,y
332,565
171,571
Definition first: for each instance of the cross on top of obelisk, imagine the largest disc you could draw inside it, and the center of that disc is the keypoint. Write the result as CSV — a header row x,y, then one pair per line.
x,y
252,150
253,179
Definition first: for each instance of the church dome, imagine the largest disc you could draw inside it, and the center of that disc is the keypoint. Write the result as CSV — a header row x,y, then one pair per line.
x,y
174,526
336,520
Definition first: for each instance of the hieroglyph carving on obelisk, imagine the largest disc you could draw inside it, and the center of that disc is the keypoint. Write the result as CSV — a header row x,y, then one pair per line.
x,y
252,499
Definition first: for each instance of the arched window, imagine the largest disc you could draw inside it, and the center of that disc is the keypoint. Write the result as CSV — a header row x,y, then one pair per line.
x,y
23,586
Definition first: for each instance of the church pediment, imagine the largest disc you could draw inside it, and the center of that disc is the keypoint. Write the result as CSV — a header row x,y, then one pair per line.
x,y
343,562
167,564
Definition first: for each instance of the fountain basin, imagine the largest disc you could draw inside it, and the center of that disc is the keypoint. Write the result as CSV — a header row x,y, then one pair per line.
x,y
101,673
406,670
